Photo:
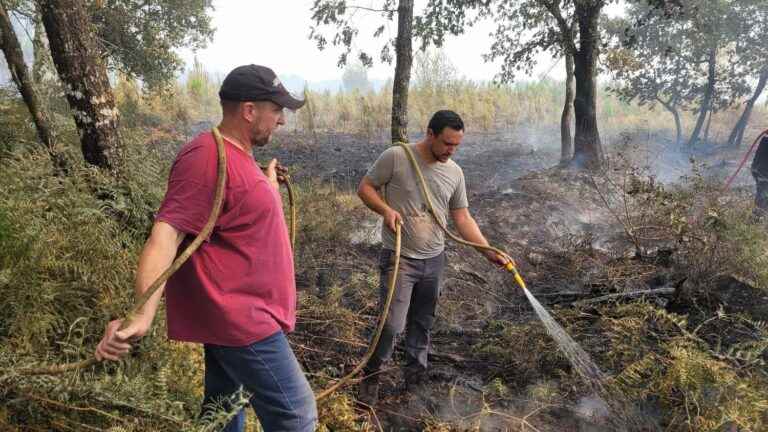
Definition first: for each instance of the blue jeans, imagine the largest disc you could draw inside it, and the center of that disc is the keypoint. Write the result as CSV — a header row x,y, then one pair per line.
x,y
281,396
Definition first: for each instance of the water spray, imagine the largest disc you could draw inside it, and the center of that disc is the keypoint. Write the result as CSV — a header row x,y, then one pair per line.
x,y
579,359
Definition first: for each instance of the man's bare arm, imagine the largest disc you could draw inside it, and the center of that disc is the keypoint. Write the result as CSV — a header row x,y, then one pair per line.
x,y
369,194
157,255
468,230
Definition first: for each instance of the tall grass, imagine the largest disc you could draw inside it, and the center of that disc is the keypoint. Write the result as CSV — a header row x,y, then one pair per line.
x,y
485,106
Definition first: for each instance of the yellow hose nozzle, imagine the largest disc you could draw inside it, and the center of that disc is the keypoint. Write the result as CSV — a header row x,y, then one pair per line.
x,y
519,279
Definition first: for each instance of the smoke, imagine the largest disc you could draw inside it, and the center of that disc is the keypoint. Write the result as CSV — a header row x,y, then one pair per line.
x,y
368,231
592,408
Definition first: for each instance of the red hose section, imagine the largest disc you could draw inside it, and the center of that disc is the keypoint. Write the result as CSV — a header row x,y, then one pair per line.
x,y
744,160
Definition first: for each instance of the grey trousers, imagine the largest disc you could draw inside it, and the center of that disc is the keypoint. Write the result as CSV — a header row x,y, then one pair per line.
x,y
413,308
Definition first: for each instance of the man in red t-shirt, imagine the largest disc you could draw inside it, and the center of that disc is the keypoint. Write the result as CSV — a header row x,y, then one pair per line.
x,y
236,294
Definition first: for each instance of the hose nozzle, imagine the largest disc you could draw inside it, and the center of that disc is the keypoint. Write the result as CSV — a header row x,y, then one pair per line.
x,y
519,279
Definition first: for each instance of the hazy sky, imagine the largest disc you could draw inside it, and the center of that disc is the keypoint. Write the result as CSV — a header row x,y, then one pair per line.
x,y
275,33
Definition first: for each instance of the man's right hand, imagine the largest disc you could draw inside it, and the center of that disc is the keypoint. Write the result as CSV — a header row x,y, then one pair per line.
x,y
116,343
391,218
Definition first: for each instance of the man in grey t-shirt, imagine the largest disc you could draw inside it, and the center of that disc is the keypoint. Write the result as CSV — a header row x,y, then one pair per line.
x,y
423,241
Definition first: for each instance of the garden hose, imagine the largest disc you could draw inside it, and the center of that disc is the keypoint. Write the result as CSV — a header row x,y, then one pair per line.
x,y
215,211
218,200
382,320
509,266
744,159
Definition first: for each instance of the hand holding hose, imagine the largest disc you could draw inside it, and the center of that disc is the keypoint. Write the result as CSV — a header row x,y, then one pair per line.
x,y
392,218
116,342
275,172
497,258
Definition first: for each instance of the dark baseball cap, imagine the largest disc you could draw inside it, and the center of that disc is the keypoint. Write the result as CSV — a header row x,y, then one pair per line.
x,y
257,83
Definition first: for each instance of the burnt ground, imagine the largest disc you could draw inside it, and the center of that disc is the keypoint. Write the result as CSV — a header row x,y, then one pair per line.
x,y
523,204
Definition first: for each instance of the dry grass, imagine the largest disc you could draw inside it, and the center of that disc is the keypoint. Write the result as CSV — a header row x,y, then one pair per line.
x,y
68,247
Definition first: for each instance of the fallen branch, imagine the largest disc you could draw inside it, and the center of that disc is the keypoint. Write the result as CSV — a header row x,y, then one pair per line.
x,y
447,358
633,294
563,294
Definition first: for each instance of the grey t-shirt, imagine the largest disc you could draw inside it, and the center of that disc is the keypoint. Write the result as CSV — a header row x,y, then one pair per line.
x,y
422,237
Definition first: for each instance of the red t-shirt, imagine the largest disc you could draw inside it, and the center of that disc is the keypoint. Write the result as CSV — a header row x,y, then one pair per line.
x,y
238,287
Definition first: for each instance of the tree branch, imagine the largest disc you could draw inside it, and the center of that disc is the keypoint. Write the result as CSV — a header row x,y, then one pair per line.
x,y
372,9
566,30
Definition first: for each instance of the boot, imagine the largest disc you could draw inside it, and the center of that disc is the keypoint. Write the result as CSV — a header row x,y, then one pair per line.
x,y
414,377
369,391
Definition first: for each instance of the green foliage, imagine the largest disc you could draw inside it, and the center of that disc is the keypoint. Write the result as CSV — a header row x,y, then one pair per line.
x,y
525,29
696,389
140,37
67,262
16,127
341,18
661,54
711,231
539,358
70,245
68,259
745,241
59,221
704,369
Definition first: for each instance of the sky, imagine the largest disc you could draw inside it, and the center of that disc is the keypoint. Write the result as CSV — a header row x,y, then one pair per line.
x,y
275,34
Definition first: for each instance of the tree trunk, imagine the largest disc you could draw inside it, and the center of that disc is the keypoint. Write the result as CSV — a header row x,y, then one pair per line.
x,y
566,140
41,51
706,103
75,52
737,134
21,77
587,151
671,106
706,129
402,71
